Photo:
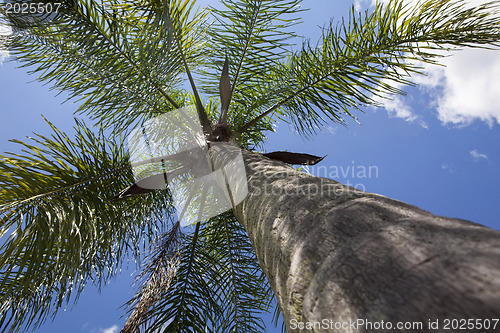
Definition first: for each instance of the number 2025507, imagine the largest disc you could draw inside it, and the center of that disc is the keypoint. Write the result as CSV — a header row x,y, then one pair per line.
x,y
32,8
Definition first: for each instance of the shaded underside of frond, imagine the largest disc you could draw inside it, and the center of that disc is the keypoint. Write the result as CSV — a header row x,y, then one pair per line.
x,y
218,287
242,287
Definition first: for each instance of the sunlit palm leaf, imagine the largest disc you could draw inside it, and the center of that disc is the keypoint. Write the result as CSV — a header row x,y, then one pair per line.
x,y
367,56
254,34
120,60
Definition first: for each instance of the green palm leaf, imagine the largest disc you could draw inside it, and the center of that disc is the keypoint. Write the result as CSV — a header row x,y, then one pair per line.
x,y
189,304
240,283
58,227
157,274
218,287
121,64
364,57
254,34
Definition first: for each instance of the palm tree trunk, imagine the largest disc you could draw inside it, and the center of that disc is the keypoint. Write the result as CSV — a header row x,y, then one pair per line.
x,y
335,256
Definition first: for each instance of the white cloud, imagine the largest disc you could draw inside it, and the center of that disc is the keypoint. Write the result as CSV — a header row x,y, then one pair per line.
x,y
470,87
360,4
477,155
467,89
112,329
5,30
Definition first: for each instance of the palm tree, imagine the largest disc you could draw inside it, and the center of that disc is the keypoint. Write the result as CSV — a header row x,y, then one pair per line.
x,y
322,249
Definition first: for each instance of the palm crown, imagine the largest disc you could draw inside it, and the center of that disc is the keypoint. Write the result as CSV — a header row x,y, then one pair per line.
x,y
129,61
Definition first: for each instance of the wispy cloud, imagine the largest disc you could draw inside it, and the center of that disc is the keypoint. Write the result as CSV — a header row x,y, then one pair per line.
x,y
112,329
477,155
332,129
5,30
448,167
397,107
359,5
467,89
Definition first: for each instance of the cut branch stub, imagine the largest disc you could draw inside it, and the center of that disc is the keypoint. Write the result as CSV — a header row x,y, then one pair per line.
x,y
294,158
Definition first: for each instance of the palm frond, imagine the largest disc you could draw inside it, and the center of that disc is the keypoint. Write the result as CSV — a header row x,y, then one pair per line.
x,y
242,286
157,276
254,34
59,230
118,58
219,285
361,59
189,304
172,15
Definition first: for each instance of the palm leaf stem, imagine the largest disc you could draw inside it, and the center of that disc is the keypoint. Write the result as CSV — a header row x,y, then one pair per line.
x,y
202,115
242,58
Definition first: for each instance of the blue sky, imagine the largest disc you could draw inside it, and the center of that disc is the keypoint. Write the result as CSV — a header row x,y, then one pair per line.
x,y
437,148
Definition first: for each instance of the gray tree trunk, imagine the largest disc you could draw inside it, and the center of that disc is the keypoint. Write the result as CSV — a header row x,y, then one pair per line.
x,y
335,256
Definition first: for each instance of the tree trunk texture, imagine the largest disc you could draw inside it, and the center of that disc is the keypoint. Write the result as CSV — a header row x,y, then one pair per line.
x,y
335,253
